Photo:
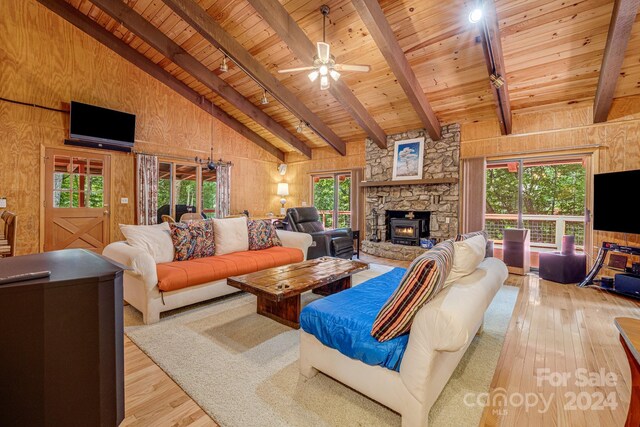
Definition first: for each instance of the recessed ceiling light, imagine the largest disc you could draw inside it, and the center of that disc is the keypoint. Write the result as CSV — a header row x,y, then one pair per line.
x,y
475,16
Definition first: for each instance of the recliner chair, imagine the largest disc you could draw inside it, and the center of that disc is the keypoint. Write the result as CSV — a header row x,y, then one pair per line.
x,y
336,243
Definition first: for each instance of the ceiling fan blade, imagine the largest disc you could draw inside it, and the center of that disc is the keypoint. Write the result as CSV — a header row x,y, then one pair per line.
x,y
295,70
349,67
323,51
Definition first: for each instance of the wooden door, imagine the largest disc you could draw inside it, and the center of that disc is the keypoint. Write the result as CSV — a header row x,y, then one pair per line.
x,y
76,200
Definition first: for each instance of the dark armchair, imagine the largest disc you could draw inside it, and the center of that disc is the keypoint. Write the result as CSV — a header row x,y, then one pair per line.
x,y
336,243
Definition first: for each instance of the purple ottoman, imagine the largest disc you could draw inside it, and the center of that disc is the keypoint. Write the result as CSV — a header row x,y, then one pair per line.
x,y
561,268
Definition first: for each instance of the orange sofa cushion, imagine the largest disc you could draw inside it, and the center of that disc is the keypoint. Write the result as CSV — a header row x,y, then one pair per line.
x,y
181,274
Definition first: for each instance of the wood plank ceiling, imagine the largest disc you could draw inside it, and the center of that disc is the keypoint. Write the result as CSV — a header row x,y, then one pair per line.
x,y
552,54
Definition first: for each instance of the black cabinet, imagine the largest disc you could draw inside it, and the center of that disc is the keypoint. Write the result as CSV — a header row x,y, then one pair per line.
x,y
61,341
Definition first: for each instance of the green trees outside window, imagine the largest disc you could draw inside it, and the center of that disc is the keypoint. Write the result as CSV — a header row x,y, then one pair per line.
x,y
324,199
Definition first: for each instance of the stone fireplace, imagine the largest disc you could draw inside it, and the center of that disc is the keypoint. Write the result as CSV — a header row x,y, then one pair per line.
x,y
440,201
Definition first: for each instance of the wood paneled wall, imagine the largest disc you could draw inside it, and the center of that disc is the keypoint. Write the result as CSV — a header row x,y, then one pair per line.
x,y
324,159
45,60
618,141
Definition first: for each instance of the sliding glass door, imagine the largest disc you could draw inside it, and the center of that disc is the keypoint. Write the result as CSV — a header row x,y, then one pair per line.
x,y
546,196
332,198
185,188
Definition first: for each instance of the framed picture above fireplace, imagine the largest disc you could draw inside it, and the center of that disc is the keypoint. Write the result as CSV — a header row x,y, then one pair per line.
x,y
408,158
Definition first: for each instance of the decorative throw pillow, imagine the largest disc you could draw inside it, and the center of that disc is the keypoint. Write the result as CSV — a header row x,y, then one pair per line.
x,y
262,235
232,235
488,249
423,280
154,239
193,240
461,237
468,254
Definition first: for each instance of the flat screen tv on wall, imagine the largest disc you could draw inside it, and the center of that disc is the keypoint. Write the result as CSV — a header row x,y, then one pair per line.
x,y
99,127
612,209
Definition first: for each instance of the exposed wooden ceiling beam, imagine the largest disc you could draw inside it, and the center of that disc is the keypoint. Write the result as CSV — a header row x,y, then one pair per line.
x,y
204,24
622,19
158,40
374,19
288,30
492,48
84,23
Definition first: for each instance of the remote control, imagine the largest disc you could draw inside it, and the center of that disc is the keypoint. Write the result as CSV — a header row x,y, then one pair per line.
x,y
24,276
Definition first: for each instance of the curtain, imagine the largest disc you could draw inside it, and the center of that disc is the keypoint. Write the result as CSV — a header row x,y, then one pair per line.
x,y
473,194
223,192
147,189
357,200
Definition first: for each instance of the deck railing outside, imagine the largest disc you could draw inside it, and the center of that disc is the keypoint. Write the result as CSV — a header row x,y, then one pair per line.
x,y
546,230
344,219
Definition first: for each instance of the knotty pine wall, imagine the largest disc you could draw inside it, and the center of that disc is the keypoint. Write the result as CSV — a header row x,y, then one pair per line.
x,y
323,159
566,129
45,60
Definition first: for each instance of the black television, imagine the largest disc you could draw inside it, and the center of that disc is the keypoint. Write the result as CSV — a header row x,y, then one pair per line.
x,y
611,209
98,127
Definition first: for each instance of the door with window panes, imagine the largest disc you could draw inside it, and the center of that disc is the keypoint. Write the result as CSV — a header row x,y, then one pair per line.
x,y
76,200
332,198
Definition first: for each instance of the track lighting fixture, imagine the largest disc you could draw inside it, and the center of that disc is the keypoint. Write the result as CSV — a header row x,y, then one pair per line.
x,y
264,100
300,127
475,15
496,80
223,65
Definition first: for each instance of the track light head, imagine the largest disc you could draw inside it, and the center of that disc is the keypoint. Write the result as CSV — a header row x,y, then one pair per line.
x,y
223,65
475,15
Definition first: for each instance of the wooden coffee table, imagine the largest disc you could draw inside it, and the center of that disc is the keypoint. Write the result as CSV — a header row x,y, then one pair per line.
x,y
278,289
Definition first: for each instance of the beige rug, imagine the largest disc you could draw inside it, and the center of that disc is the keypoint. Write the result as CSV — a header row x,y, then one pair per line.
x,y
242,369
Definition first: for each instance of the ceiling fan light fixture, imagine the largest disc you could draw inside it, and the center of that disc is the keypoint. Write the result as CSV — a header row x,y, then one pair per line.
x,y
313,75
223,65
324,82
323,51
324,64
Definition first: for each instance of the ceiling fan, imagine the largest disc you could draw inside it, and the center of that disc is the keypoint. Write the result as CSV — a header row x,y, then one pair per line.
x,y
324,64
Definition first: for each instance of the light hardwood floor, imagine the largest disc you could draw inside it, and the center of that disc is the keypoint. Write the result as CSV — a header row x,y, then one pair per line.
x,y
564,329
152,398
560,327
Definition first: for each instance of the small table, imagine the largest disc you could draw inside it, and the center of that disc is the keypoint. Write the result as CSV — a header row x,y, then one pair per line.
x,y
630,339
278,289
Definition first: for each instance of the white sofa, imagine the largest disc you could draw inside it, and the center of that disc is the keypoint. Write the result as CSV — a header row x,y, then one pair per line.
x,y
441,333
141,282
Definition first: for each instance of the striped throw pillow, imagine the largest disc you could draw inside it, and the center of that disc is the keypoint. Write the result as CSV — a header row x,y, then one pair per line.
x,y
423,280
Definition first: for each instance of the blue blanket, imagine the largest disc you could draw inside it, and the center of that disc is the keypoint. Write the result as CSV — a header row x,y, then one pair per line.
x,y
343,321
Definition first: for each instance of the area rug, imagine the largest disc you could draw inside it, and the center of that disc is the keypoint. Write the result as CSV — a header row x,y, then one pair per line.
x,y
242,368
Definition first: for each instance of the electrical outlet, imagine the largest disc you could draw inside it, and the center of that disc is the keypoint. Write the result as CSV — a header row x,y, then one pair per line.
x,y
447,220
304,204
3,203
124,200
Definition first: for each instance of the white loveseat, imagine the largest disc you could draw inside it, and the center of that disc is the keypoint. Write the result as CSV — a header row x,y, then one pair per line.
x,y
442,331
141,282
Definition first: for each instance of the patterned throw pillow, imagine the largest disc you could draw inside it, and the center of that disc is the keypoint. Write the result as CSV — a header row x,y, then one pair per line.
x,y
423,280
461,237
194,240
262,235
